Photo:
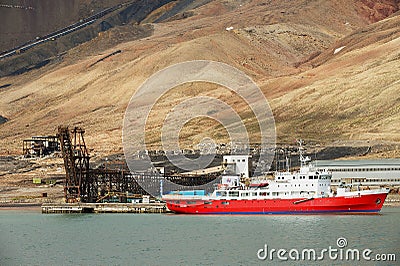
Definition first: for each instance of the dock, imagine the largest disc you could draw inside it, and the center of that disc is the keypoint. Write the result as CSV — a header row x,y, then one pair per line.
x,y
49,208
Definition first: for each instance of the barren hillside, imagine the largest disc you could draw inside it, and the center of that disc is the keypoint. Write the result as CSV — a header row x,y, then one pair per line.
x,y
287,47
25,20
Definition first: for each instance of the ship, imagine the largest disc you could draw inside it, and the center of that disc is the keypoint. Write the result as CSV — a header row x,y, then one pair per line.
x,y
305,191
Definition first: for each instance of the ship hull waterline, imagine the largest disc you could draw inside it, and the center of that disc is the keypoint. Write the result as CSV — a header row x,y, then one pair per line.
x,y
368,204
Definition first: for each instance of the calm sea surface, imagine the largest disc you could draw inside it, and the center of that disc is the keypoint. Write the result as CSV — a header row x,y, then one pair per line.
x,y
31,238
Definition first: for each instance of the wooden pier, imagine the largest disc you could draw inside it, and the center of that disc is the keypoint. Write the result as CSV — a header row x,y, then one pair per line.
x,y
105,208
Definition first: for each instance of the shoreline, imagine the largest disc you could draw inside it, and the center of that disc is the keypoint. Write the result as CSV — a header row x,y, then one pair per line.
x,y
21,207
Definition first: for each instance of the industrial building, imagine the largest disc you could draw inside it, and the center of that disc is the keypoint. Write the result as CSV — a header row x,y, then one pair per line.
x,y
239,164
379,172
39,146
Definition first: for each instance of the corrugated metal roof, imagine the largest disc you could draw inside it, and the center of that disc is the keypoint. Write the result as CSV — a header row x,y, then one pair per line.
x,y
356,163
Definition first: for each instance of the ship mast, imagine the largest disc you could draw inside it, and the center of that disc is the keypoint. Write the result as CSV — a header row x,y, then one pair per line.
x,y
303,160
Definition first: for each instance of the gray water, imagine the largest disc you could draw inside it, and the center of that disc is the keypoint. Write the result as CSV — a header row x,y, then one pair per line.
x,y
32,238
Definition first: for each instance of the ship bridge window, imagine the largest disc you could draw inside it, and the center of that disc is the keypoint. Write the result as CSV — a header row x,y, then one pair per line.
x,y
221,194
233,193
245,194
254,194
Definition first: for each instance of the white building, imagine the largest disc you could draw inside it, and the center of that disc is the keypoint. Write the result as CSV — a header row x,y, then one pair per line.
x,y
379,172
239,164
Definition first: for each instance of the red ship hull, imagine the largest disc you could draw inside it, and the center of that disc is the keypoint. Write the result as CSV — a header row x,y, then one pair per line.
x,y
371,203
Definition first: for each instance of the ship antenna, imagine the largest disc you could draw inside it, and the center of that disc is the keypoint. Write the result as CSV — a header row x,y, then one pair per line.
x,y
303,159
287,163
287,157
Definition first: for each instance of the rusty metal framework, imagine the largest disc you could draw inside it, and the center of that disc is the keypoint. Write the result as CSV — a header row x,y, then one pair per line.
x,y
78,186
83,184
39,146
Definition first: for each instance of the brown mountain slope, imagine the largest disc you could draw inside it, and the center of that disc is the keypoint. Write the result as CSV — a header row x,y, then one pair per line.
x,y
22,20
352,95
